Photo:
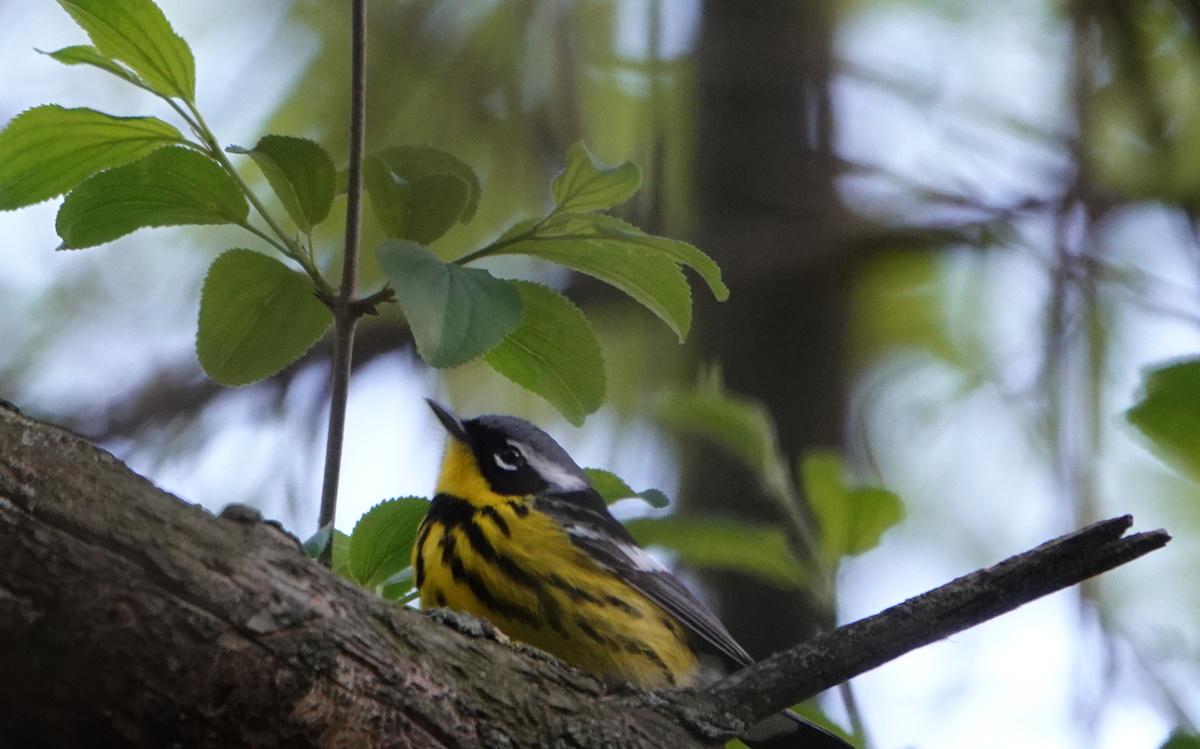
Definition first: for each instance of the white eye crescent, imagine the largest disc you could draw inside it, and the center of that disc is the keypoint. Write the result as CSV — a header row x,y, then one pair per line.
x,y
509,458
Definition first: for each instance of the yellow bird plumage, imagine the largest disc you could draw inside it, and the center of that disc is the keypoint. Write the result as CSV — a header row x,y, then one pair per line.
x,y
517,535
517,568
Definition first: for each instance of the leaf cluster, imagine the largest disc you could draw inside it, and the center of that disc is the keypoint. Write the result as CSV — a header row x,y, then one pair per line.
x,y
803,554
259,313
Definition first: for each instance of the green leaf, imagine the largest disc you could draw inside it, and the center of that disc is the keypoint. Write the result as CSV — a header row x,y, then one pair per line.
x,y
757,550
300,172
612,488
521,227
899,303
652,278
1169,414
47,150
740,424
340,564
398,586
381,543
456,313
553,353
137,33
587,186
654,498
388,197
256,317
1181,740
851,518
644,266
609,485
317,542
679,251
435,203
411,163
419,193
170,187
85,55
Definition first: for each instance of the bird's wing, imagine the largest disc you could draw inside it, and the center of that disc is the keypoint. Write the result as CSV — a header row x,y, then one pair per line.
x,y
591,528
586,519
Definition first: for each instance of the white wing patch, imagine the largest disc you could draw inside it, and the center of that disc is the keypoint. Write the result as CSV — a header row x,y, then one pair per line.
x,y
638,558
561,479
643,560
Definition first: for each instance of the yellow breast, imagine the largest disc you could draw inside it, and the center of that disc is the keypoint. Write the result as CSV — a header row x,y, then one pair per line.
x,y
502,560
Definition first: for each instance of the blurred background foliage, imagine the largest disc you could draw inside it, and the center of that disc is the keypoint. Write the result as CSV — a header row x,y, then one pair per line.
x,y
956,233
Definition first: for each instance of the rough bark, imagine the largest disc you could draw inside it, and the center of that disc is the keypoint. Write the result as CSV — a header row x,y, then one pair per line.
x,y
129,618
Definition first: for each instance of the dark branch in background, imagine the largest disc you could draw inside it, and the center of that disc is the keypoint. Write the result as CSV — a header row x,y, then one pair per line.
x,y
178,394
129,618
345,314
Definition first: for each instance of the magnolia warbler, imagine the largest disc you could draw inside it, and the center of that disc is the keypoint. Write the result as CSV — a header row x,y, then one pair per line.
x,y
517,535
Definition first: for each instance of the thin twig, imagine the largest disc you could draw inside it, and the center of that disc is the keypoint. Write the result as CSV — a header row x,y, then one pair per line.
x,y
343,312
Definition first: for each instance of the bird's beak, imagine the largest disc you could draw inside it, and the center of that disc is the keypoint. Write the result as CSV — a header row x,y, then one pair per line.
x,y
451,422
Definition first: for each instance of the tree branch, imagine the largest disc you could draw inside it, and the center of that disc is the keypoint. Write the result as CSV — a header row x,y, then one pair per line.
x,y
130,618
834,657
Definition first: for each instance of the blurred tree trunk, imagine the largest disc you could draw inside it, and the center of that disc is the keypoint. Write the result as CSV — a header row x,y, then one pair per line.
x,y
769,214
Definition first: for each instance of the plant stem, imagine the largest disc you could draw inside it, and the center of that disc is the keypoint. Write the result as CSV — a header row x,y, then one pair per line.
x,y
366,305
495,247
342,305
265,237
193,124
286,244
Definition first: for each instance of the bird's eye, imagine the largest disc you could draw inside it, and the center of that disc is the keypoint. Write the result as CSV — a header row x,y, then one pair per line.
x,y
509,458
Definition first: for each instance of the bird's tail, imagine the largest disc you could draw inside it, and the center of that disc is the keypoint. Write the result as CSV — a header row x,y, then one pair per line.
x,y
787,730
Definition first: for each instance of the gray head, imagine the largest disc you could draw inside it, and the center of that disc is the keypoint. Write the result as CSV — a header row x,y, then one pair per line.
x,y
514,456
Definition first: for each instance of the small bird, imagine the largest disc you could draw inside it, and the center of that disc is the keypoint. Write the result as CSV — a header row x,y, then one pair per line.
x,y
517,535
